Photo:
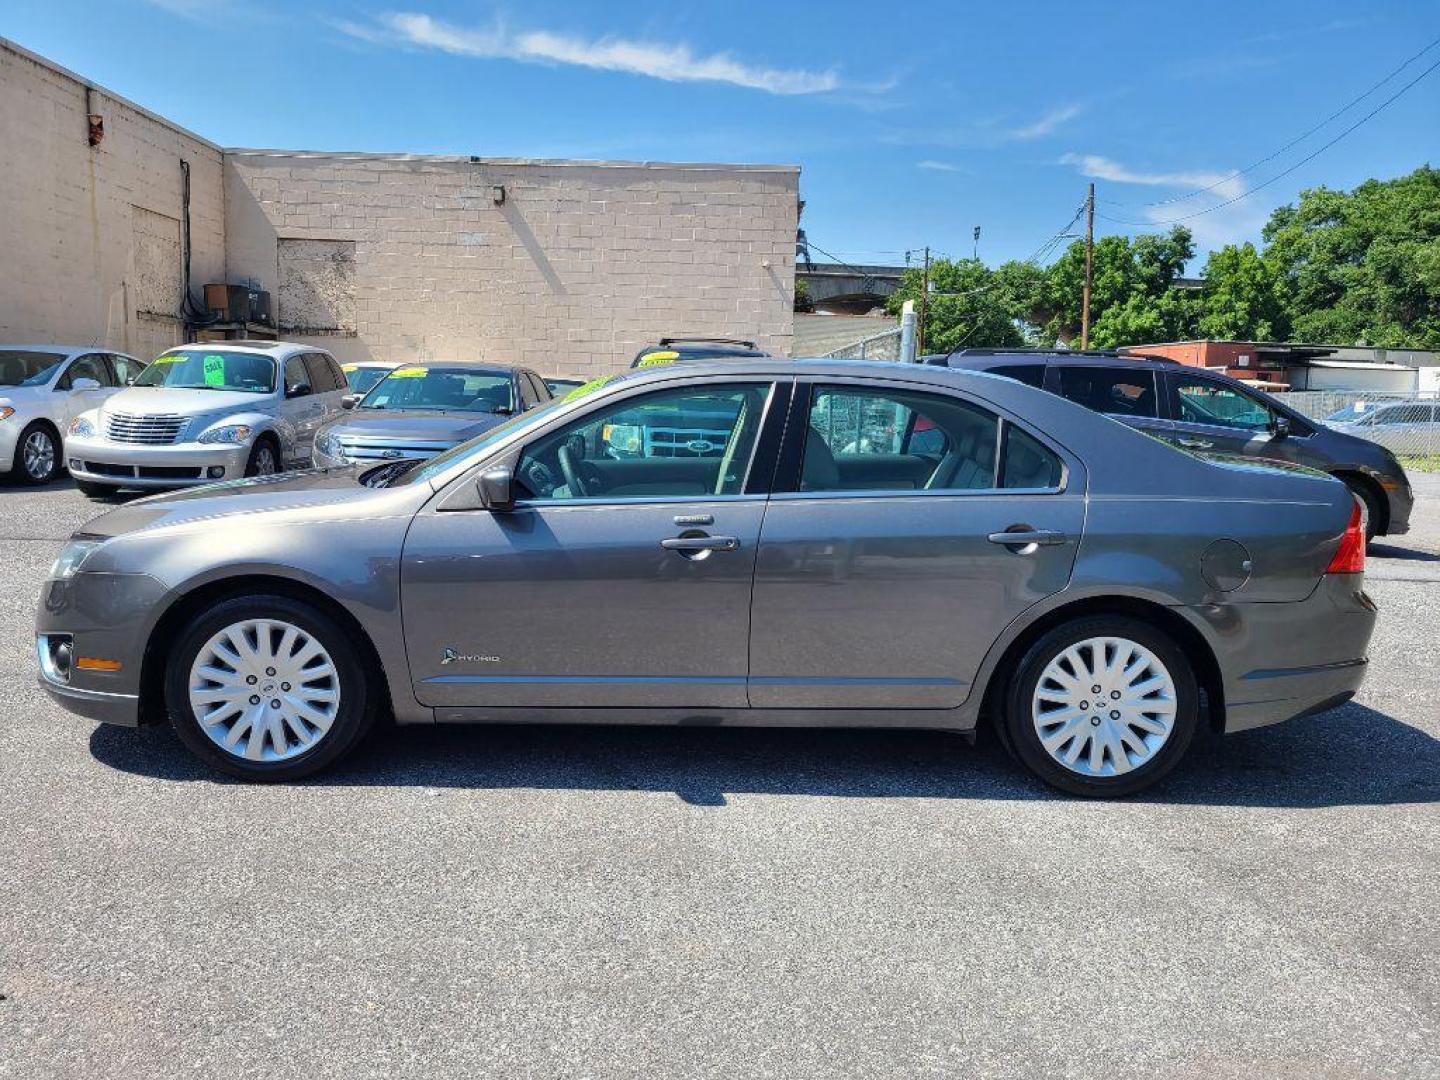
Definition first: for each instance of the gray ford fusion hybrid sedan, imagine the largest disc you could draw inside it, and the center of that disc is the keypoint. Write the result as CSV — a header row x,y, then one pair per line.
x,y
850,544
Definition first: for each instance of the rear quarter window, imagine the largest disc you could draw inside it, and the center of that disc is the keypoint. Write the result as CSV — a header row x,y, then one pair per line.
x,y
1113,391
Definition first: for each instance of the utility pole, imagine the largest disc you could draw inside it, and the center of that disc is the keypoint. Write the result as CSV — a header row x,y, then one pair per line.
x,y
924,305
975,251
1089,267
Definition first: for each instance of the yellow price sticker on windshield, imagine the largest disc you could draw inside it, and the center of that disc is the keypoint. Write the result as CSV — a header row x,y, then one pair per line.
x,y
658,359
349,367
409,373
174,358
590,387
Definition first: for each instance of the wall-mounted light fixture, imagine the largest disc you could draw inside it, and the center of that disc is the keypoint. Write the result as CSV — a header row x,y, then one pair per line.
x,y
497,193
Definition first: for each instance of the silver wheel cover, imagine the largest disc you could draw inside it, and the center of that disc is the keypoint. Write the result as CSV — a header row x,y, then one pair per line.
x,y
264,460
1104,706
38,455
264,690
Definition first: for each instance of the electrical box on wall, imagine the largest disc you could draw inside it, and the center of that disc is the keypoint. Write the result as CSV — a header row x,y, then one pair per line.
x,y
238,303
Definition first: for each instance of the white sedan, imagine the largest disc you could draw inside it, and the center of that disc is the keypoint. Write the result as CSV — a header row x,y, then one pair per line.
x,y
43,388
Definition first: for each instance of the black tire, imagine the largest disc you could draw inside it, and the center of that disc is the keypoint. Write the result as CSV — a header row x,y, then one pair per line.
x,y
92,490
253,465
36,432
355,714
1371,501
1019,734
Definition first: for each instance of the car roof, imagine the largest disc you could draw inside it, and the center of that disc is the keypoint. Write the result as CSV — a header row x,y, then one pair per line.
x,y
278,349
479,365
60,350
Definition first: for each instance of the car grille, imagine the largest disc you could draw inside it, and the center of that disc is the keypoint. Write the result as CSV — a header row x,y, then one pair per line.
x,y
153,430
145,472
685,442
367,450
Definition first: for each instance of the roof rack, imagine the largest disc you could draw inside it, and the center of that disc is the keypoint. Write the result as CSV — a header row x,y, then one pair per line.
x,y
1109,354
665,341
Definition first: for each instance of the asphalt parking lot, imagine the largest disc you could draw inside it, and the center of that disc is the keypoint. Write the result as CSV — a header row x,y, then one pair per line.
x,y
592,902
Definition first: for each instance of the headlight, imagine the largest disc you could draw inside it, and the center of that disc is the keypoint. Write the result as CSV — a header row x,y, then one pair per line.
x,y
6,412
230,433
328,443
82,427
72,555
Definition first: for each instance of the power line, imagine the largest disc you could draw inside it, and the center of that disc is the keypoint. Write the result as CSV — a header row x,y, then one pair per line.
x,y
1288,146
1281,175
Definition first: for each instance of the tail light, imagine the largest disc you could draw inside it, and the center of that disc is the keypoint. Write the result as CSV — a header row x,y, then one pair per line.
x,y
1350,558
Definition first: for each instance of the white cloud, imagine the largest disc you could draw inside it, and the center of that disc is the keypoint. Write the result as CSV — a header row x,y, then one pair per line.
x,y
939,166
673,62
1047,124
1223,185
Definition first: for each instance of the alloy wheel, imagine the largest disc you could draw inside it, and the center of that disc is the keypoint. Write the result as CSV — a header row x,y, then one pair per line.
x,y
1104,706
264,460
38,455
264,690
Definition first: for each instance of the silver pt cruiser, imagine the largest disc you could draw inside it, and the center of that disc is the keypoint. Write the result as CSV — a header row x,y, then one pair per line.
x,y
868,545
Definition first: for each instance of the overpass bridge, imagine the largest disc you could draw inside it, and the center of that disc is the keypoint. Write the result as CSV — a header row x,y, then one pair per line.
x,y
842,287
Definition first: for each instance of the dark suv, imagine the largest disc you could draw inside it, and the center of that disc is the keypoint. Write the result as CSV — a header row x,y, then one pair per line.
x,y
1206,411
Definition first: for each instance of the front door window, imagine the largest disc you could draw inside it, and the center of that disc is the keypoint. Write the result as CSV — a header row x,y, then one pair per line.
x,y
1196,400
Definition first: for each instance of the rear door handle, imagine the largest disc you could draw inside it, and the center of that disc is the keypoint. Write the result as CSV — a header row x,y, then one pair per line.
x,y
1024,537
701,543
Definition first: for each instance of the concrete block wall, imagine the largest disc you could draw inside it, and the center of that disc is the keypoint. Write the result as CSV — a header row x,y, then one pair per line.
x,y
91,236
578,267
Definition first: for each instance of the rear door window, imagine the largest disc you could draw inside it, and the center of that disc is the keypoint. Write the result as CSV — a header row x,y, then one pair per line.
x,y
322,381
1029,374
1113,391
126,369
296,375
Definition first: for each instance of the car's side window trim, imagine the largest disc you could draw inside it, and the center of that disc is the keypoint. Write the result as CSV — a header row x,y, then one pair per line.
x,y
791,463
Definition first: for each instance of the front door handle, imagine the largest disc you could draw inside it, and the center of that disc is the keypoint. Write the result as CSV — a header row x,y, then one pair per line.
x,y
1025,537
1196,444
701,543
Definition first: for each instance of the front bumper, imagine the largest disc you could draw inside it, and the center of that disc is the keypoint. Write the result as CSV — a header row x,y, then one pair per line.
x,y
1282,661
106,616
101,461
9,439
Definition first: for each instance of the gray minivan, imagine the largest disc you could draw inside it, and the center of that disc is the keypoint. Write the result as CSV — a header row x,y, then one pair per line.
x,y
1206,411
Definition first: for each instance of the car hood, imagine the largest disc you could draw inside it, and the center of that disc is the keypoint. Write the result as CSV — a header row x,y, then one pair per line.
x,y
162,399
418,424
315,494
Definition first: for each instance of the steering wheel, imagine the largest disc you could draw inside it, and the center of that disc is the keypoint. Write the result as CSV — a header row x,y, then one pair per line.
x,y
577,487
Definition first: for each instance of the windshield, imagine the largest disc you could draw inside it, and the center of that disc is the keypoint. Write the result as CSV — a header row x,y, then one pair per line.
x,y
211,369
1351,413
437,386
22,368
361,379
478,446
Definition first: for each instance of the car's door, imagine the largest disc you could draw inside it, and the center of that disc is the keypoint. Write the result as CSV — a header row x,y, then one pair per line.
x,y
622,576
883,577
1210,414
300,407
79,399
328,383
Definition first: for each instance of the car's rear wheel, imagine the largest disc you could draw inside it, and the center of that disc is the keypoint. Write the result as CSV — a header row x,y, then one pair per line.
x,y
1101,706
37,455
267,688
264,459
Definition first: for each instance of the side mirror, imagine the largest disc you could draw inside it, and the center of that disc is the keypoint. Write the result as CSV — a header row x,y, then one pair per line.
x,y
349,401
1281,427
497,489
298,390
502,410
85,384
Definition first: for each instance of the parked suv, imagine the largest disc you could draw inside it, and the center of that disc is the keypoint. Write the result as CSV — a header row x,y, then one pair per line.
x,y
207,412
671,349
1207,411
43,388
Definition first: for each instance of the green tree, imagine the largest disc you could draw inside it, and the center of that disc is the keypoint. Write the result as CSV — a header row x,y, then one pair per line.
x,y
1241,301
969,304
1361,267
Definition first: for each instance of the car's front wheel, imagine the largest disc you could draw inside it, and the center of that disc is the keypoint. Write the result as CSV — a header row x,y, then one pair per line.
x,y
264,459
267,688
1101,706
37,455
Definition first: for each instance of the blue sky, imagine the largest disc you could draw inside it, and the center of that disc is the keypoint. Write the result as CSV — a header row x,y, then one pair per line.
x,y
912,123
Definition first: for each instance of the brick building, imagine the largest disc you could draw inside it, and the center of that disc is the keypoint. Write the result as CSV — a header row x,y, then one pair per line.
x,y
568,266
1278,365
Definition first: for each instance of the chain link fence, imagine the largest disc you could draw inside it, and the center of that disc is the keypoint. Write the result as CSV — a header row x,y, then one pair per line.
x,y
1408,425
882,346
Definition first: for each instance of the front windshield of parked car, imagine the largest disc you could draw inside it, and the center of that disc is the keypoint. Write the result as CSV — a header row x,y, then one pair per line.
x,y
437,386
211,369
21,367
1351,413
361,379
